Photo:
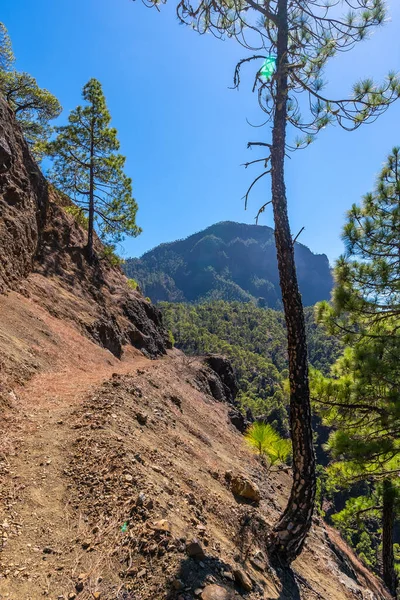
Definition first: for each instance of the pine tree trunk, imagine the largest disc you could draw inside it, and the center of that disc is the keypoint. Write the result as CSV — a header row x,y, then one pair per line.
x,y
290,532
89,246
389,573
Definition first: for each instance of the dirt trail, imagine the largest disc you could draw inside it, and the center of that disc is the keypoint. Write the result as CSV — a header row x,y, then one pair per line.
x,y
74,459
34,520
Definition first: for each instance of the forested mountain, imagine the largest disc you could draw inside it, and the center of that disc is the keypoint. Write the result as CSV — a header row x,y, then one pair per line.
x,y
227,261
254,339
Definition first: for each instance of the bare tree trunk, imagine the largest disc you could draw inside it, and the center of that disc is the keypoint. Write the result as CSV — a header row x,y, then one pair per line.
x,y
291,530
89,246
389,573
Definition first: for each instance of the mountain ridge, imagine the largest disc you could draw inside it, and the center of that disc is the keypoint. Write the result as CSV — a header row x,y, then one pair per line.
x,y
226,261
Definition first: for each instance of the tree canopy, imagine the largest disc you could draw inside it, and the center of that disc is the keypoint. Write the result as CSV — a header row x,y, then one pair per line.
x,y
87,166
367,290
34,107
361,398
6,52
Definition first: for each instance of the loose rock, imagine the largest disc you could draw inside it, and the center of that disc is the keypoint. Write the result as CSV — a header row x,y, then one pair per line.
x,y
162,525
258,561
216,592
142,418
177,584
195,550
244,488
243,580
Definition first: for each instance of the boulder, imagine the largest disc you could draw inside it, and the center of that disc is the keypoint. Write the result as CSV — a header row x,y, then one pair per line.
x,y
195,550
216,592
244,488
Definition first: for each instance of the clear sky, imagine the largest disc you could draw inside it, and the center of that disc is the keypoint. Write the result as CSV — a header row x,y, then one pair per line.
x,y
183,130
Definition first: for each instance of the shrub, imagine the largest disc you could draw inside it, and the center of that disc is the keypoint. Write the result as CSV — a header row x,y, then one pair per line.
x,y
263,438
133,284
171,337
78,215
110,255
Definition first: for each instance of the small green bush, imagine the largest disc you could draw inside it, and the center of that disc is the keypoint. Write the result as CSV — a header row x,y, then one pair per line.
x,y
113,258
133,284
171,337
78,215
263,438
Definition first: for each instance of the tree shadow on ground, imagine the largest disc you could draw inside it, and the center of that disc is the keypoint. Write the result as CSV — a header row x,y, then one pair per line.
x,y
251,530
290,589
194,574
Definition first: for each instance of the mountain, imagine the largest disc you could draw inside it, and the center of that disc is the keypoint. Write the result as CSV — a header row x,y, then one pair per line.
x,y
227,261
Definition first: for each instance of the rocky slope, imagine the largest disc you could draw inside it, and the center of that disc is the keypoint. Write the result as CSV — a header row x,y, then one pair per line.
x,y
121,477
42,259
227,261
138,487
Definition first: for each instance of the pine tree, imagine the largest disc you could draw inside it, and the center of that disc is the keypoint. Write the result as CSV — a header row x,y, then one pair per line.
x,y
6,52
33,106
298,37
362,399
367,518
367,289
88,168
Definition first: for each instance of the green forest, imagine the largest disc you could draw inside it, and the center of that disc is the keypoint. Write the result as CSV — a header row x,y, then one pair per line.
x,y
254,339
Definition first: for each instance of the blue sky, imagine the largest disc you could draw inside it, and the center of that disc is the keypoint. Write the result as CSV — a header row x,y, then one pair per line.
x,y
183,130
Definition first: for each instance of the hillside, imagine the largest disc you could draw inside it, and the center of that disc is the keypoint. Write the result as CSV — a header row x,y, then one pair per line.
x,y
254,340
121,476
227,261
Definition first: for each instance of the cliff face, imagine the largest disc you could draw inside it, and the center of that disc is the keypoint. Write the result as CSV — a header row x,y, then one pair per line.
x,y
42,257
23,202
227,261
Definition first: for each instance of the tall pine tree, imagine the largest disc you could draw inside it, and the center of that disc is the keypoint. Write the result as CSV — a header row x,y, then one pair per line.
x,y
362,400
6,52
298,37
88,168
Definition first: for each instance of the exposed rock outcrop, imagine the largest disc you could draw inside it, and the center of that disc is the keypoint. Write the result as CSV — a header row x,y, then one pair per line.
x,y
223,368
217,378
239,420
208,382
23,202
